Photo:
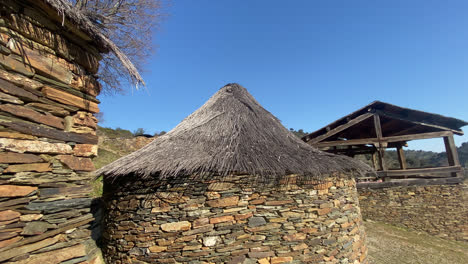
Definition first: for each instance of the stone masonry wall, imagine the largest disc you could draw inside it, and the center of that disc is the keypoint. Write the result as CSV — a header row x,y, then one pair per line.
x,y
47,137
440,210
232,222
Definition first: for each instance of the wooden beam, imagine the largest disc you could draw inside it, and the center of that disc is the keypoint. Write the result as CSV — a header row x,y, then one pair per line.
x,y
340,128
452,154
423,172
386,114
375,141
401,157
380,148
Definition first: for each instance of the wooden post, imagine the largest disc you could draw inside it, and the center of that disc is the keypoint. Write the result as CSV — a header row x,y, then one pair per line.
x,y
401,157
452,154
375,162
381,146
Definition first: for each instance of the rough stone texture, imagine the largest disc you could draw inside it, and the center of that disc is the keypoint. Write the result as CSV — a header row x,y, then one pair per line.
x,y
47,77
241,224
440,210
15,191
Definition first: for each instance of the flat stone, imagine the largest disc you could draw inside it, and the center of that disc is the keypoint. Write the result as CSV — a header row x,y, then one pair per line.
x,y
211,241
278,202
59,205
237,260
36,228
53,109
257,221
10,99
32,115
15,65
69,99
10,241
85,150
56,256
295,237
156,249
224,202
176,226
201,222
50,66
12,157
278,260
16,135
8,215
220,186
221,219
22,146
37,167
77,163
20,80
16,190
259,255
30,217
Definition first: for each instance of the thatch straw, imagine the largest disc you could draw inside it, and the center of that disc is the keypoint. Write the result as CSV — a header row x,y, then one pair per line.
x,y
83,22
230,133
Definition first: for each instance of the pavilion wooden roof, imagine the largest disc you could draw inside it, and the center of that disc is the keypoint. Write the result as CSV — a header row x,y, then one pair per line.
x,y
396,123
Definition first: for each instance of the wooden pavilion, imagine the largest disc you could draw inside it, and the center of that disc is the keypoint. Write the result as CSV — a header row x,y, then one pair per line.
x,y
379,126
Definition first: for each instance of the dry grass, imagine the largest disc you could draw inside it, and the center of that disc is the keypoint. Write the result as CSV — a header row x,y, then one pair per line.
x,y
389,245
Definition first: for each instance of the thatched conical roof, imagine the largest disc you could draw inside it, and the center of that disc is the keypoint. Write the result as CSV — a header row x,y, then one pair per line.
x,y
230,133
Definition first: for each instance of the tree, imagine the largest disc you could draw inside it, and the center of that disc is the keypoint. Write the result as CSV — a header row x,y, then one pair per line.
x,y
140,131
129,24
299,133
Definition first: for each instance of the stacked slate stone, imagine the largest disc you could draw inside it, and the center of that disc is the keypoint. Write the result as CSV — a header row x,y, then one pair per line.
x,y
233,222
47,136
439,210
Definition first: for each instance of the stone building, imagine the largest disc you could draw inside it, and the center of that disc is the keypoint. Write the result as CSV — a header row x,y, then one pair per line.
x,y
230,184
49,58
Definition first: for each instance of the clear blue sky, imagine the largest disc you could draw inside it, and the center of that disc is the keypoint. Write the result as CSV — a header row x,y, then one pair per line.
x,y
307,62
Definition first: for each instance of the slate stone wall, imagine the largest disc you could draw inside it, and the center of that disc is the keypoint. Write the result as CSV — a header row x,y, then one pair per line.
x,y
440,210
47,137
233,222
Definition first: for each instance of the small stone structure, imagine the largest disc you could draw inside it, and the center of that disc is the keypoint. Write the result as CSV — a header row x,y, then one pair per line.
x,y
47,136
231,185
438,209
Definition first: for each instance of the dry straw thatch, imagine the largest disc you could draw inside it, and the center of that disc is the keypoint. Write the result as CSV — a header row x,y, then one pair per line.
x,y
230,133
81,19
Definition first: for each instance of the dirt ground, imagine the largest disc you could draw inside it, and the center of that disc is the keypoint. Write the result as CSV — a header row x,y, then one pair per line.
x,y
392,245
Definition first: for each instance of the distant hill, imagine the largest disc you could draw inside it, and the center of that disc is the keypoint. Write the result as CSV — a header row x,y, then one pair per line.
x,y
116,143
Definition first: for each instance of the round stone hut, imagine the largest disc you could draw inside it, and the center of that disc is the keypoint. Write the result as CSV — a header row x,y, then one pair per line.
x,y
230,184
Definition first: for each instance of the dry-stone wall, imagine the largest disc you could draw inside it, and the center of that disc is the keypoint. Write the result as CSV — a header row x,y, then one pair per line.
x,y
440,210
232,222
47,137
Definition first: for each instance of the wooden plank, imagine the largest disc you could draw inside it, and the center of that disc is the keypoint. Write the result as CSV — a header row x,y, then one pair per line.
x,y
340,128
69,99
420,172
458,132
410,182
41,131
375,141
